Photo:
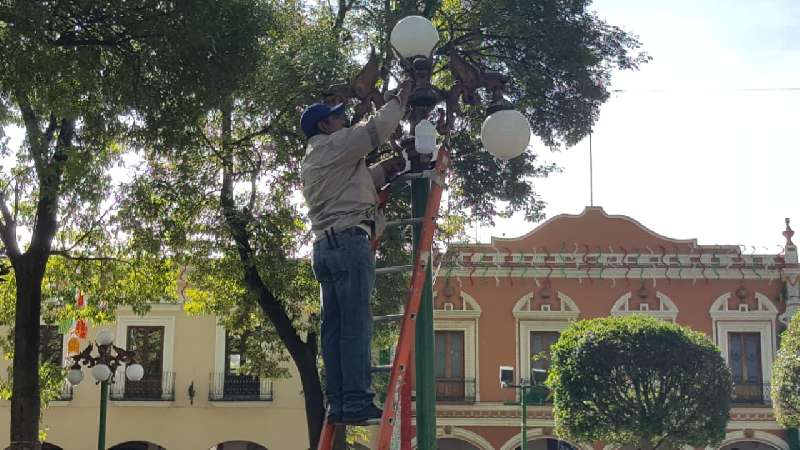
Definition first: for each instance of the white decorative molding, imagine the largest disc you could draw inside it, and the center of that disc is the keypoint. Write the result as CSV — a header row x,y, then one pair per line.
x,y
758,436
470,308
667,310
765,309
523,309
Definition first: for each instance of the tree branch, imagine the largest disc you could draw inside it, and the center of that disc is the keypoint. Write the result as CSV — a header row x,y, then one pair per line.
x,y
66,254
36,139
46,225
344,7
8,229
264,130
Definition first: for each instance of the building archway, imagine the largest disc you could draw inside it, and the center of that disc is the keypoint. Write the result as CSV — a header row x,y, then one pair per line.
x,y
548,444
137,445
751,440
538,440
238,445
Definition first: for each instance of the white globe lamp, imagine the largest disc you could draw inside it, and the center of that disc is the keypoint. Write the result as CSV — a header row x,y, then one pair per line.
x,y
105,337
425,137
506,134
101,372
414,36
75,376
134,372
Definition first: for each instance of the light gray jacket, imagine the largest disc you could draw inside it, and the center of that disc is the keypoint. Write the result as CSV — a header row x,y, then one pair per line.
x,y
339,189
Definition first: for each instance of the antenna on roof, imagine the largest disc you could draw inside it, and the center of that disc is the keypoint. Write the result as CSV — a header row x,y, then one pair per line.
x,y
591,173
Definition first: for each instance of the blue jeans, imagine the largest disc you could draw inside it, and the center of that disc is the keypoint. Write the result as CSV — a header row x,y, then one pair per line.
x,y
344,264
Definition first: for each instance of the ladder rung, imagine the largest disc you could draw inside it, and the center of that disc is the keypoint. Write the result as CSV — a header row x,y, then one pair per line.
x,y
387,318
414,175
401,222
394,269
381,369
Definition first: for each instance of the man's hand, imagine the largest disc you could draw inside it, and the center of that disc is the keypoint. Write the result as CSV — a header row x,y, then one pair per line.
x,y
404,91
391,167
401,92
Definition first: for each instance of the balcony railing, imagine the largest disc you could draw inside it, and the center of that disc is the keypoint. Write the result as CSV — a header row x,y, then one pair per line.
x,y
147,389
538,395
751,393
455,390
239,388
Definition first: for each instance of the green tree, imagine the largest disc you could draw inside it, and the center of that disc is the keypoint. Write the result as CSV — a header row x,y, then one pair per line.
x,y
786,377
72,74
220,188
640,381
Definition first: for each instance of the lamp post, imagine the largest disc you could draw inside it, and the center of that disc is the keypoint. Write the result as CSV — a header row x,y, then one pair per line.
x,y
505,134
523,386
104,367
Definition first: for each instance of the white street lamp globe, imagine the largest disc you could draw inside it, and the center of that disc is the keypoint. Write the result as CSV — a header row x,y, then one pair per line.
x,y
425,137
105,337
506,134
101,372
75,376
134,372
414,36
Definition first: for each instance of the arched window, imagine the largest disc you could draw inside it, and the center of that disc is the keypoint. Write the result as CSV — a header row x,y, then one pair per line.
x,y
744,330
540,318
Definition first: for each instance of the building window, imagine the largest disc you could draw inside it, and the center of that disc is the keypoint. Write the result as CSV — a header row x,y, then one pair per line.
x,y
746,340
148,343
451,385
744,359
229,382
540,352
237,385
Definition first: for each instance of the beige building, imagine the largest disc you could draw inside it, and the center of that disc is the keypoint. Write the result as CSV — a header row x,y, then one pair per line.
x,y
191,397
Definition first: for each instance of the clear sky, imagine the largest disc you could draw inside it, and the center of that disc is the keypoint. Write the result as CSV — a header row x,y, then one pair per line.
x,y
686,148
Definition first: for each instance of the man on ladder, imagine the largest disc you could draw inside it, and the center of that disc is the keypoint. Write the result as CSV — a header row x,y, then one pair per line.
x,y
341,194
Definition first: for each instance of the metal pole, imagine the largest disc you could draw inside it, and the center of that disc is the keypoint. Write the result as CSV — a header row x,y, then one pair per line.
x,y
524,391
101,434
424,355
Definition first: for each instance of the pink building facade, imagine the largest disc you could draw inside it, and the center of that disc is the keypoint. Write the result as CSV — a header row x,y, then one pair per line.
x,y
497,304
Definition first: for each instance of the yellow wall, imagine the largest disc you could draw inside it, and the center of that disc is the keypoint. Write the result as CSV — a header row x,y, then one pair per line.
x,y
177,425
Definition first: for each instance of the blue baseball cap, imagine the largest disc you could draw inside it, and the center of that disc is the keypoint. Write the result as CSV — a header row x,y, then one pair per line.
x,y
313,114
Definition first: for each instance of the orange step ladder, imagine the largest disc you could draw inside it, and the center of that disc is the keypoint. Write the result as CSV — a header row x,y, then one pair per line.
x,y
399,368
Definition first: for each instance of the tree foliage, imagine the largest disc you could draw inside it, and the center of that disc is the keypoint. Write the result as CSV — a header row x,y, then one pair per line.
x,y
76,75
786,377
641,381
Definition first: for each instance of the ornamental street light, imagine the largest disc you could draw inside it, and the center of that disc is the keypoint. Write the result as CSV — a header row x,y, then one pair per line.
x,y
505,134
104,368
524,386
